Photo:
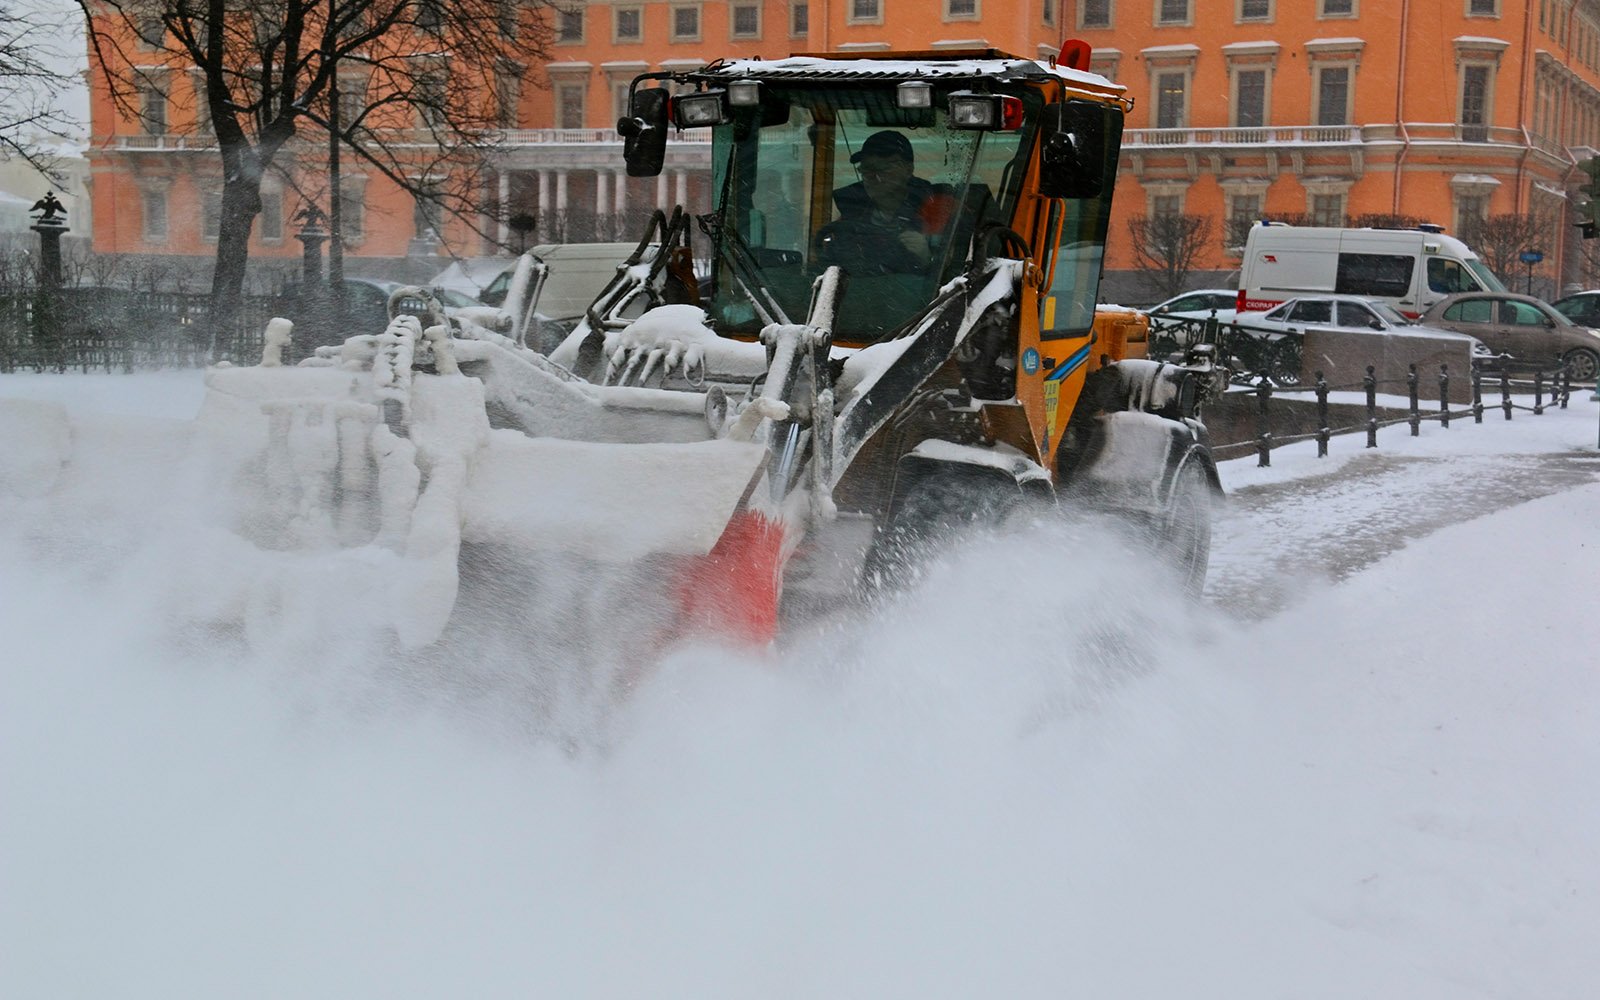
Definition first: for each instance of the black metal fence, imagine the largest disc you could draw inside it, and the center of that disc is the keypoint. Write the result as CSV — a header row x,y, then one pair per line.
x,y
114,329
1506,389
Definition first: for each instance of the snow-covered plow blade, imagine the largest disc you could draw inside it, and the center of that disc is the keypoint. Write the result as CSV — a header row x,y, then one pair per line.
x,y
370,464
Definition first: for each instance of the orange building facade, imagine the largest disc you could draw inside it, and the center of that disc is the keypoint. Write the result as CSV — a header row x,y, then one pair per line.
x,y
1333,110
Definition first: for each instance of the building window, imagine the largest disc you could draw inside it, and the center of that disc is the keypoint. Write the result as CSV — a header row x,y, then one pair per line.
x,y
1475,103
150,32
202,109
621,99
1483,8
211,215
426,214
1327,210
353,209
1470,209
153,206
569,26
1337,8
1166,204
272,216
1250,98
865,12
799,20
1094,14
1172,100
628,25
569,105
1255,10
152,108
507,96
429,17
960,10
1172,12
509,14
686,24
1050,12
1243,211
432,99
1333,95
745,21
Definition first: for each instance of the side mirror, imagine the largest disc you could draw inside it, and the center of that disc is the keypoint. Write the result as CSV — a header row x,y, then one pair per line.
x,y
644,132
1078,149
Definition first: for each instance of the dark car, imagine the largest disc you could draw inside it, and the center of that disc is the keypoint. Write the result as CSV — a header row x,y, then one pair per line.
x,y
1521,327
366,310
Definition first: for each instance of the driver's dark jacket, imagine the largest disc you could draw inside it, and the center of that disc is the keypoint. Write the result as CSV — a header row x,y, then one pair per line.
x,y
854,203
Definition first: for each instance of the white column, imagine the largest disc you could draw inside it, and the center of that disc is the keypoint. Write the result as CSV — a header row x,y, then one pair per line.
x,y
661,191
620,205
544,192
682,193
602,192
561,190
505,207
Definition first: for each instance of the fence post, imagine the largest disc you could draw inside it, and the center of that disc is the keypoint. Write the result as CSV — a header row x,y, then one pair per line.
x,y
1538,393
1263,425
1370,380
1323,433
1566,385
1477,392
1505,390
1444,396
1416,411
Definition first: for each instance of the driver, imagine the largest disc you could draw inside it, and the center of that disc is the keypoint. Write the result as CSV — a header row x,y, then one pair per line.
x,y
886,218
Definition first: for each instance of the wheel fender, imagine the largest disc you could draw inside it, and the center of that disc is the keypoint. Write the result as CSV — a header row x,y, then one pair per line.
x,y
1132,460
966,470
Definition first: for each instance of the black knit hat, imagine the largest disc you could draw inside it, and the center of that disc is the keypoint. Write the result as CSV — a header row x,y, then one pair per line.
x,y
884,143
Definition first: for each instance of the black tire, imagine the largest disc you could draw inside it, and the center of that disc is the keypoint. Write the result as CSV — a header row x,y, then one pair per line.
x,y
1183,532
1582,364
931,518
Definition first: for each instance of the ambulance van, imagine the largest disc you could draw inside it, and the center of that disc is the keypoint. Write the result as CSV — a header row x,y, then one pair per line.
x,y
1410,269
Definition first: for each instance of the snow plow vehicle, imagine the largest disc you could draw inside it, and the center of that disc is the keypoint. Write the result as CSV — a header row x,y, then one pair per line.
x,y
864,368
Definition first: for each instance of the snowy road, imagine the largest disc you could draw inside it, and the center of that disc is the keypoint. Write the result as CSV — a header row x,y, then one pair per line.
x,y
1273,540
1362,770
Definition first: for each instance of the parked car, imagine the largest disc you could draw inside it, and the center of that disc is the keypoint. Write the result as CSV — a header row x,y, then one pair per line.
x,y
1198,304
1326,312
1583,308
1521,327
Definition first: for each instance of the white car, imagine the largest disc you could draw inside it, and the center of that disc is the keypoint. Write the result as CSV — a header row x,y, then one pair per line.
x,y
1326,312
1198,304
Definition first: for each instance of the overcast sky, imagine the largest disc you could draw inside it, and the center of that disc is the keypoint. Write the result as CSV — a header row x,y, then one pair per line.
x,y
61,22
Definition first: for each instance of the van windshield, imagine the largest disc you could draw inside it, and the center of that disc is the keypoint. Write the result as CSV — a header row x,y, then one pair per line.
x,y
1485,276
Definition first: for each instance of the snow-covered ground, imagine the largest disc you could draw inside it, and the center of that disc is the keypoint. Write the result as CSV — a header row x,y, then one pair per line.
x,y
1034,776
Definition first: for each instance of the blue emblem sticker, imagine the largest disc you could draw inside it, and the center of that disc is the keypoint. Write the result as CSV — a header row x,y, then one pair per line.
x,y
1030,360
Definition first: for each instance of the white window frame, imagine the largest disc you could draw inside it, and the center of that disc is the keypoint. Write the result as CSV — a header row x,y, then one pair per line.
x,y
795,8
559,89
1467,11
733,31
617,37
1270,17
1187,21
1318,71
673,34
155,227
1111,16
975,14
353,209
1235,70
1047,13
272,193
853,16
1186,74
564,12
1490,71
1351,14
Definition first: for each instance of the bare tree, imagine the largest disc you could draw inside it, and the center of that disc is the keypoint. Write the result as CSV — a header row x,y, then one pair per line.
x,y
1167,247
1501,239
29,114
416,90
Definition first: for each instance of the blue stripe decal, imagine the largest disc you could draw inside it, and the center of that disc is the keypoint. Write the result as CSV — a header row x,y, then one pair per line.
x,y
1070,365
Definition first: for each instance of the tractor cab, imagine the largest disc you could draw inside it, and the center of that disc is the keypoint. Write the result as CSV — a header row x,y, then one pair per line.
x,y
900,171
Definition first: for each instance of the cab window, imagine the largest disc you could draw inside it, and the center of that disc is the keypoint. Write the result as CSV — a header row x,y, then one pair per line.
x,y
1312,311
1520,314
1449,276
1356,314
1374,274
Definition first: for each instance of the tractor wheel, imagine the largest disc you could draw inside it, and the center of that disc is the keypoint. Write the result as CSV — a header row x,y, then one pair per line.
x,y
932,518
1183,532
1582,364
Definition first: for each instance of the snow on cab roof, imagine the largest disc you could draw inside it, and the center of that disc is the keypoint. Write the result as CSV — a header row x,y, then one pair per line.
x,y
989,64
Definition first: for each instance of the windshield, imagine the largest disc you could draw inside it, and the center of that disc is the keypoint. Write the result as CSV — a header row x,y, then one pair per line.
x,y
1390,313
1484,275
840,175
